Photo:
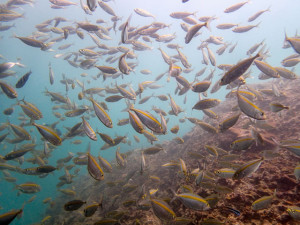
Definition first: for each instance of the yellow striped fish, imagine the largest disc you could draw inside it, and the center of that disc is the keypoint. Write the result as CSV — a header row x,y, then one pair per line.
x,y
49,134
94,169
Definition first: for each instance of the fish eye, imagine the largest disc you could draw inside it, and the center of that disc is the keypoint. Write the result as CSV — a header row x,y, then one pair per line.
x,y
262,113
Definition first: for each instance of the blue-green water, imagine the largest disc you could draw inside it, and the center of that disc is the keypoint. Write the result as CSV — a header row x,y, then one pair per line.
x,y
282,17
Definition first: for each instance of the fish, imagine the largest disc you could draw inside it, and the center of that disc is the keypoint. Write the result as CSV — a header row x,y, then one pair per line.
x,y
181,15
211,56
143,13
235,211
153,150
107,69
174,106
174,129
249,108
8,111
257,136
211,150
136,122
49,134
255,47
247,169
237,70
277,107
166,58
29,188
62,2
183,59
266,69
22,81
2,137
206,104
259,13
92,4
290,62
294,42
126,94
102,114
285,73
123,66
294,211
45,169
114,98
16,154
235,7
194,29
94,168
120,160
68,192
75,112
229,122
8,90
225,26
106,138
242,143
31,110
91,209
263,202
148,120
174,70
162,209
179,140
105,164
124,33
8,217
20,131
243,29
88,130
201,86
225,173
193,201
143,163
200,177
32,42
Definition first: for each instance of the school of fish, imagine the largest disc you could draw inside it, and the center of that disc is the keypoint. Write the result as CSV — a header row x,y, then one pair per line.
x,y
196,178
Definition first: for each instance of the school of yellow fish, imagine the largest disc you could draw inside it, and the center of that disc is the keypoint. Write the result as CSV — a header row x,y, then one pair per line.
x,y
130,173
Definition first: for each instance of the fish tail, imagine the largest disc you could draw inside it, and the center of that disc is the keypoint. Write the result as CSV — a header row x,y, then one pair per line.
x,y
275,192
285,35
174,193
20,213
207,24
277,143
14,35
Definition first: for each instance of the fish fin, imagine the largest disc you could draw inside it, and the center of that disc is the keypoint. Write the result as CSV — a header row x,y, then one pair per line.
x,y
174,193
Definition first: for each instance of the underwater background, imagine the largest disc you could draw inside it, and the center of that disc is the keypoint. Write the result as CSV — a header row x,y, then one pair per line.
x,y
282,18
